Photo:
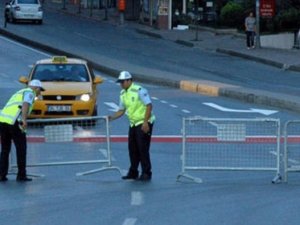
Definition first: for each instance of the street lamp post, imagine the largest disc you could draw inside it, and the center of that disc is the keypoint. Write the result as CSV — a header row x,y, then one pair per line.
x,y
79,7
257,23
64,5
105,10
196,19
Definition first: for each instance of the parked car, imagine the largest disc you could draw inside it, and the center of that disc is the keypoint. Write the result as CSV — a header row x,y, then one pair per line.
x,y
17,10
71,88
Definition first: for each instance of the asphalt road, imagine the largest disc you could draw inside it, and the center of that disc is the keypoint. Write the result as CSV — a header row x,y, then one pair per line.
x,y
103,198
120,48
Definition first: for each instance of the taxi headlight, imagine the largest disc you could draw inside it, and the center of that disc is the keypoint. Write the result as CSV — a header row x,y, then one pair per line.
x,y
84,97
40,97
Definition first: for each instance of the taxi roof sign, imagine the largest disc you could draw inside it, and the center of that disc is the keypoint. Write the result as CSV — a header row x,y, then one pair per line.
x,y
59,59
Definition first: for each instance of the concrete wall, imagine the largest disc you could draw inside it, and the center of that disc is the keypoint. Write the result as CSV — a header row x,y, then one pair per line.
x,y
282,41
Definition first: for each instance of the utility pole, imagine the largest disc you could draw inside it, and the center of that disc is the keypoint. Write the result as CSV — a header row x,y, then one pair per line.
x,y
105,10
257,23
5,20
79,7
64,5
196,19
151,13
122,8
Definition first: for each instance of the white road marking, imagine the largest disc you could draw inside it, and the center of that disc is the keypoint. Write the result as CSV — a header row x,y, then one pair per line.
x,y
174,106
164,102
104,153
130,221
137,198
154,98
251,110
113,106
185,111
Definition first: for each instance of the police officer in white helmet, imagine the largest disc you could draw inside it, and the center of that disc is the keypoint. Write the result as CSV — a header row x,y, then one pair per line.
x,y
13,124
135,100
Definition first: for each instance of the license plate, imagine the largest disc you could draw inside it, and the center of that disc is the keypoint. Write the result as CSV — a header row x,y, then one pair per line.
x,y
29,15
59,108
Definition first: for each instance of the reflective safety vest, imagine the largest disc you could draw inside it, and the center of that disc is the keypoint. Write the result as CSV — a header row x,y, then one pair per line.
x,y
13,107
135,108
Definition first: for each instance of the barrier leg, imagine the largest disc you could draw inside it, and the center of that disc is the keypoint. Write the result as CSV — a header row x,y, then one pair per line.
x,y
100,170
195,179
12,168
277,179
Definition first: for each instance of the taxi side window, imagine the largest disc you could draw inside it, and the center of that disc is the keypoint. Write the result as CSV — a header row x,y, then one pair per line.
x,y
91,71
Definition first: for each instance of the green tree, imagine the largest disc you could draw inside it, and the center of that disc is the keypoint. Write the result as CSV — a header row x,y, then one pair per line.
x,y
232,15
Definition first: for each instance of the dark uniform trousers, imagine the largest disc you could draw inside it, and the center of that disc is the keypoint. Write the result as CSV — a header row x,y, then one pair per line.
x,y
139,146
13,133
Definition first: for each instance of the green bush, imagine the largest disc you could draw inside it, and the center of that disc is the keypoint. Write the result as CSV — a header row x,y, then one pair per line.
x,y
232,15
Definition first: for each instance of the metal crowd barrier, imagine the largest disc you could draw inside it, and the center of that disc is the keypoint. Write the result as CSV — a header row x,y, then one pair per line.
x,y
69,141
291,147
230,144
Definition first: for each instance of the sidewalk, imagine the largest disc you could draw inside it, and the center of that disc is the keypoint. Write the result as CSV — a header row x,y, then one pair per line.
x,y
210,39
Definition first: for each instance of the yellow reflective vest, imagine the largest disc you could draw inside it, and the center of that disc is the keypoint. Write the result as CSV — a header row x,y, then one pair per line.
x,y
135,108
13,107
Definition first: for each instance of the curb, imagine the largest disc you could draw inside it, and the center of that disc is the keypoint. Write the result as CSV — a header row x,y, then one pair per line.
x,y
279,65
148,33
253,58
233,32
184,43
277,100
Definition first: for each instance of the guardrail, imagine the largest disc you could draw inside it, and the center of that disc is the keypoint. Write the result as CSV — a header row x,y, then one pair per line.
x,y
230,144
69,141
291,153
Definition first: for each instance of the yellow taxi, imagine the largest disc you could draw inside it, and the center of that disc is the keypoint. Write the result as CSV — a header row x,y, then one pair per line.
x,y
71,88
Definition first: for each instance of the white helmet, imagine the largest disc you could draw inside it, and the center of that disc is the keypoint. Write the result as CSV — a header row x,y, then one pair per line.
x,y
124,75
36,83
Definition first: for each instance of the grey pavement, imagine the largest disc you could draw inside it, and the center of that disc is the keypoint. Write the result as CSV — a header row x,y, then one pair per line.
x,y
203,38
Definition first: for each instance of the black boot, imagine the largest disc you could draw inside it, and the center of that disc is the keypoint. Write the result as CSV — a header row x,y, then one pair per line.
x,y
3,178
145,176
131,175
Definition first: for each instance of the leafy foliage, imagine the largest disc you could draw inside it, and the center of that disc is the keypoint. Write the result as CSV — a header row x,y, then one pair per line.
x,y
232,15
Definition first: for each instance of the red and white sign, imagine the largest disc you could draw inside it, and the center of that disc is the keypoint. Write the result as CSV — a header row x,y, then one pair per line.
x,y
267,8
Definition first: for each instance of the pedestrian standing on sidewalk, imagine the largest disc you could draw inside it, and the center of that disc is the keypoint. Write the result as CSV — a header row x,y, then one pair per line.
x,y
136,102
13,124
250,28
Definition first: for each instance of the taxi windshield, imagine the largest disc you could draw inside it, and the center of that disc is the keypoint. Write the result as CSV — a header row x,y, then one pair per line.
x,y
61,72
